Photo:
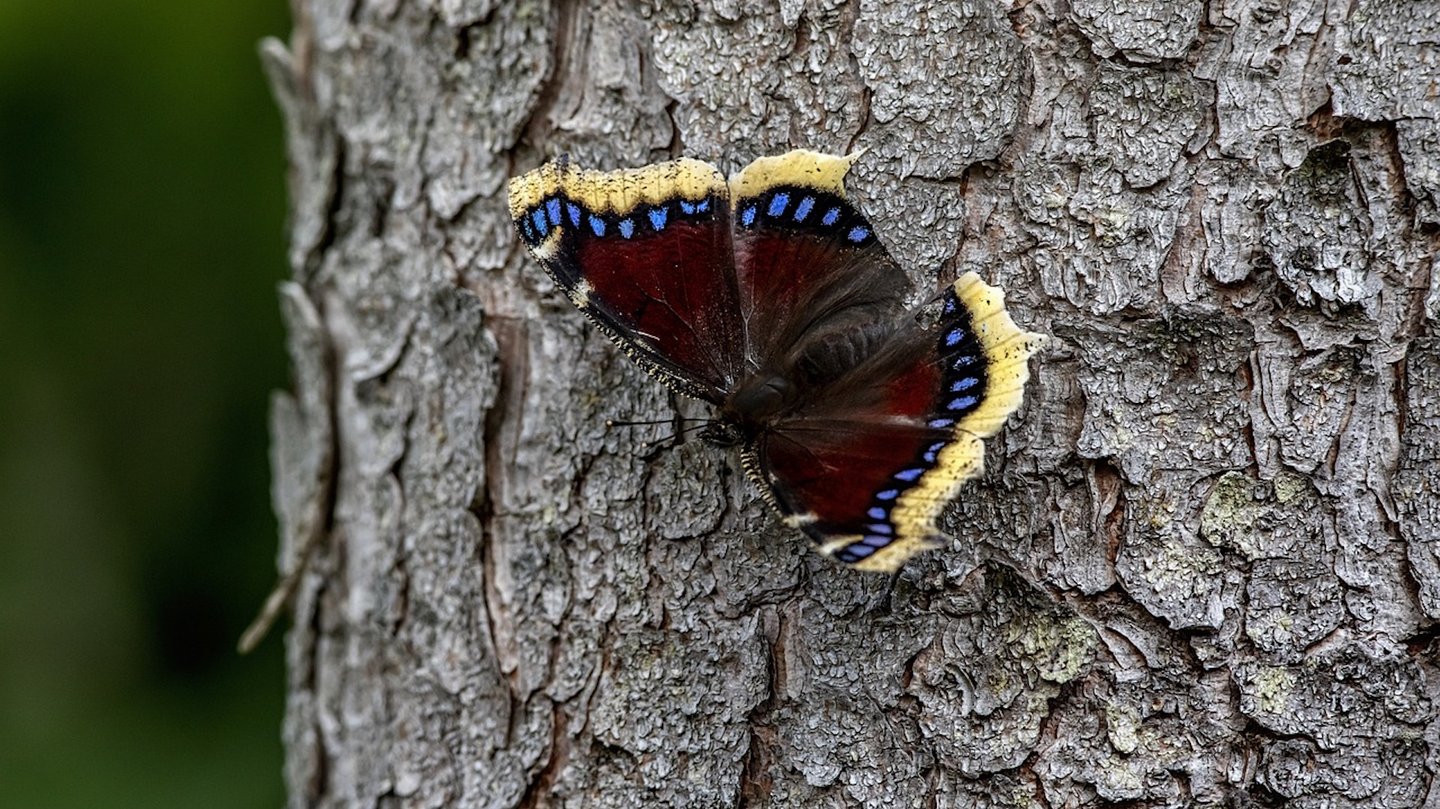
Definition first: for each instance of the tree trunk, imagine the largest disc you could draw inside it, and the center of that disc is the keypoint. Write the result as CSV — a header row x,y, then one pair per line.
x,y
1203,568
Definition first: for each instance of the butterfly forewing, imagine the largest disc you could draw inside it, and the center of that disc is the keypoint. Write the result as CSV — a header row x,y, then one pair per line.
x,y
808,265
646,253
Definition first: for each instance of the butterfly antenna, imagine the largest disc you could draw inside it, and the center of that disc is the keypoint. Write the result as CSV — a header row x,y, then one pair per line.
x,y
655,446
647,423
672,440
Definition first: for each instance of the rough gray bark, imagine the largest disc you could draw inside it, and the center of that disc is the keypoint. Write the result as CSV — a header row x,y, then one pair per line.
x,y
1221,502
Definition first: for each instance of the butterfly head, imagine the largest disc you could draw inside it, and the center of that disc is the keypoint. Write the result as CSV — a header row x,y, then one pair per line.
x,y
722,434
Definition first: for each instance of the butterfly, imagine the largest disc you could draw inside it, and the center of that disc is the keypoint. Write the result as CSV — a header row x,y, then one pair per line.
x,y
769,296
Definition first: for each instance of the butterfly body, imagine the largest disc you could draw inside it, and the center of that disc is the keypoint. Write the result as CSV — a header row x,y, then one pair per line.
x,y
768,296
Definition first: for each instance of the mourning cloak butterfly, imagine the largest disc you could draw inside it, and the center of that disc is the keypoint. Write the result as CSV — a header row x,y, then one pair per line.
x,y
769,296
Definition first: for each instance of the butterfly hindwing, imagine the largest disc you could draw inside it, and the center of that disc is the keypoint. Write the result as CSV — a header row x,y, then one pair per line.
x,y
646,254
867,473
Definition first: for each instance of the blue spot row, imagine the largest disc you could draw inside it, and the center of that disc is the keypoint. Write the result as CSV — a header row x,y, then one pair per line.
x,y
965,368
535,226
795,207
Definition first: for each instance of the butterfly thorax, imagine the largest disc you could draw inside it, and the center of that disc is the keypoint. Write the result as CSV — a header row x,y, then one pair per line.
x,y
756,402
766,396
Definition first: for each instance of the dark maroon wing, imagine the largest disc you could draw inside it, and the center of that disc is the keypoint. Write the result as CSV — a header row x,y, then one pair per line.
x,y
806,261
646,254
867,466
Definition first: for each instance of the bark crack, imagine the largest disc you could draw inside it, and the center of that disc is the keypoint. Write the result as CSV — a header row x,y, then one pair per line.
x,y
537,126
538,788
511,383
756,781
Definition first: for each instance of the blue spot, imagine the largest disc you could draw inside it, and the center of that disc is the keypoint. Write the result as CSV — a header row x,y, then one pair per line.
x,y
538,217
574,211
888,494
877,513
528,229
658,217
687,207
961,403
778,203
858,234
955,336
876,542
552,209
702,206
627,227
950,305
859,551
930,454
597,225
964,384
964,360
831,217
939,423
747,217
803,209
880,528
909,475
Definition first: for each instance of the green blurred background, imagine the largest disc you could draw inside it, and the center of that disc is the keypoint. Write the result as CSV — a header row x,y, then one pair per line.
x,y
141,239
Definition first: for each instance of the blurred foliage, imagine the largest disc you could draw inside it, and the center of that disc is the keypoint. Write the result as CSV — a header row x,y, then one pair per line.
x,y
141,215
